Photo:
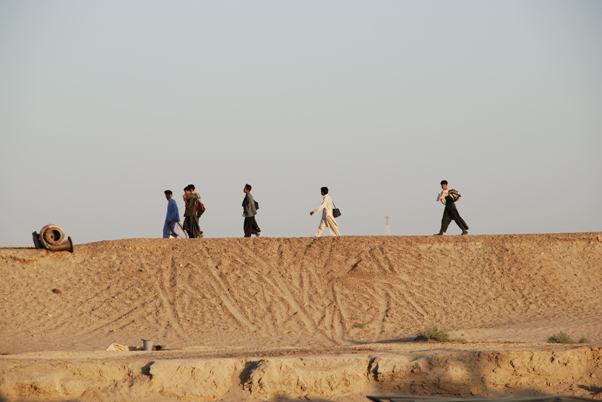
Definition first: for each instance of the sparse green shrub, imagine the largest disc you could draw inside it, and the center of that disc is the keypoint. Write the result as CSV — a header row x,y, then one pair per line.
x,y
360,325
561,337
433,334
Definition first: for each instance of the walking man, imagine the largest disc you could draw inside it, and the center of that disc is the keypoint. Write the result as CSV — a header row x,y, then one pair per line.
x,y
449,198
172,217
328,220
249,210
191,216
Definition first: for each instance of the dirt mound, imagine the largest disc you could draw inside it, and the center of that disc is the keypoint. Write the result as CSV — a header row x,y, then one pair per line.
x,y
300,292
246,297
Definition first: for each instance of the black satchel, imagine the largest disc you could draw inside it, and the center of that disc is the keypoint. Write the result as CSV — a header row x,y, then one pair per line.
x,y
335,211
256,205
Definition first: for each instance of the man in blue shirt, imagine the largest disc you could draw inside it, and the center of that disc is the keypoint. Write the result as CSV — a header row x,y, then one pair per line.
x,y
173,216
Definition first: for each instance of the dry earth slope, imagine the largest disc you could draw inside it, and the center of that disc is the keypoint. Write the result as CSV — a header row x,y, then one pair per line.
x,y
241,294
298,319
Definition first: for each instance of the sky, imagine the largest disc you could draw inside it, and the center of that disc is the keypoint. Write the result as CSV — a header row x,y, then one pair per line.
x,y
104,105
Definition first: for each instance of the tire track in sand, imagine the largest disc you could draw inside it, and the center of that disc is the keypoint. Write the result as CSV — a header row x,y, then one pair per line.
x,y
384,304
338,317
166,285
113,320
281,288
222,293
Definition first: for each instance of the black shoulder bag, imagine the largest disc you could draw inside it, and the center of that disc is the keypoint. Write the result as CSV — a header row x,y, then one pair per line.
x,y
335,211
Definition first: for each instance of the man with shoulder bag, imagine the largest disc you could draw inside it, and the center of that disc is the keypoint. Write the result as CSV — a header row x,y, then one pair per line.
x,y
329,213
249,210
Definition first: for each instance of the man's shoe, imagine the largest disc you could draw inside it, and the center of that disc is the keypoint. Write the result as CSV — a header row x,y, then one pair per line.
x,y
438,234
464,233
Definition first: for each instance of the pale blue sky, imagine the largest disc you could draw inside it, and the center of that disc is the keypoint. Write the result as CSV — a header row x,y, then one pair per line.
x,y
104,104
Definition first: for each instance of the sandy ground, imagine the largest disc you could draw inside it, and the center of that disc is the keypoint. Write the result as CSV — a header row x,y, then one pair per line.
x,y
289,319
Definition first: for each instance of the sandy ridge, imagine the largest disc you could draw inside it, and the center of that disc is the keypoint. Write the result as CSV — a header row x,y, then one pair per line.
x,y
243,298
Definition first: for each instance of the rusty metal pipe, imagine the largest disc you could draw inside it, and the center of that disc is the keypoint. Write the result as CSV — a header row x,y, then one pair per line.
x,y
52,237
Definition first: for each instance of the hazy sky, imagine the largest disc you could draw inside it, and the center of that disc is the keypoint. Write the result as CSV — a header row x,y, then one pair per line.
x,y
105,104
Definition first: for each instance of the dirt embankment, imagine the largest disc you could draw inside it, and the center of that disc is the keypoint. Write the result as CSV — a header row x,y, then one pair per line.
x,y
224,304
452,369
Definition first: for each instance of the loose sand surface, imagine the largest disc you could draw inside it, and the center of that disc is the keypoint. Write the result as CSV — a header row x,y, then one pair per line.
x,y
302,318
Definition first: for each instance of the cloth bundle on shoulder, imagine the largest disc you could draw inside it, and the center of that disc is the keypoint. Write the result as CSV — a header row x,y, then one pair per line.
x,y
200,208
454,194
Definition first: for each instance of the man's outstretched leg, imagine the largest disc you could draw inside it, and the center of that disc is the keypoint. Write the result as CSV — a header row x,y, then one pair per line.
x,y
172,229
462,225
321,228
455,215
445,221
166,230
333,227
248,227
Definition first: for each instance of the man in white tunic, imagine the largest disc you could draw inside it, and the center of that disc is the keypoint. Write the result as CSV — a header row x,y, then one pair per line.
x,y
328,220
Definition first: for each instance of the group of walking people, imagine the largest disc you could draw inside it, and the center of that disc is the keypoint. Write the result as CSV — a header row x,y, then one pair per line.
x,y
194,208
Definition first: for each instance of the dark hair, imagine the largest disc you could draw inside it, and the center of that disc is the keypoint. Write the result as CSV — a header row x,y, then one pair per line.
x,y
191,186
443,182
324,190
248,187
168,192
187,188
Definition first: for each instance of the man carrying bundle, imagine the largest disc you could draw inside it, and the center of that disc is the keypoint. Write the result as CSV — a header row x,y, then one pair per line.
x,y
449,198
194,209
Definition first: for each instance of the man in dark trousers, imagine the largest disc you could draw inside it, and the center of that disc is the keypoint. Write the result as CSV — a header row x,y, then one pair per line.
x,y
449,198
191,217
249,210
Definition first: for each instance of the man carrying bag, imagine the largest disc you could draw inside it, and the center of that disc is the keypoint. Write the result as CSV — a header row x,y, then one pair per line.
x,y
329,212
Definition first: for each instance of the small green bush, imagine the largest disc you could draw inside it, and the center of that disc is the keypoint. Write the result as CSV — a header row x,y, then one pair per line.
x,y
433,334
561,337
583,340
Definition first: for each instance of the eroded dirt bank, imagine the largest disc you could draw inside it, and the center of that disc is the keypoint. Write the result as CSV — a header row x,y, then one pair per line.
x,y
347,375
